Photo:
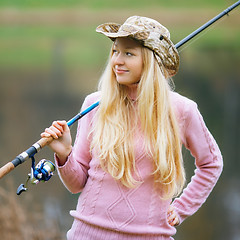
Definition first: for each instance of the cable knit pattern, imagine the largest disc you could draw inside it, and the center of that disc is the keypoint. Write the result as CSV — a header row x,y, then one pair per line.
x,y
108,210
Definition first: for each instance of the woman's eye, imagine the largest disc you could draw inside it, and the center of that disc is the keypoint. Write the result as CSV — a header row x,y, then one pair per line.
x,y
129,54
114,51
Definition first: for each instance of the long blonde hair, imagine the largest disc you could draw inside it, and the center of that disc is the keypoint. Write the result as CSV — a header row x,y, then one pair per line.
x,y
116,120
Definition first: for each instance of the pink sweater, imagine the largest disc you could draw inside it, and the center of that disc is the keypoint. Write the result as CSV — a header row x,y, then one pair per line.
x,y
105,203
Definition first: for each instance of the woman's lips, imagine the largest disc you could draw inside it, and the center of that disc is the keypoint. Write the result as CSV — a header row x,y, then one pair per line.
x,y
121,71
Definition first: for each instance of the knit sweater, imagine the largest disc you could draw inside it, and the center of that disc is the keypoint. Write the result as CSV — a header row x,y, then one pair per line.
x,y
106,203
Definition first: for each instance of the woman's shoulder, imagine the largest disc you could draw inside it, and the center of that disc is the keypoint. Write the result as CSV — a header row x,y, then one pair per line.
x,y
183,106
181,103
90,103
178,99
93,97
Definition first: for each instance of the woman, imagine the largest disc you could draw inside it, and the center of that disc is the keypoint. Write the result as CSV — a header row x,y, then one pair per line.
x,y
126,160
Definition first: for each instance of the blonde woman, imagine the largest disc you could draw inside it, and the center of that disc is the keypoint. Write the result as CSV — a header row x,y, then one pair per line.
x,y
126,160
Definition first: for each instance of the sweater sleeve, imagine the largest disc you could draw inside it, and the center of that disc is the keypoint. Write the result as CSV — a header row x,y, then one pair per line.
x,y
208,160
74,172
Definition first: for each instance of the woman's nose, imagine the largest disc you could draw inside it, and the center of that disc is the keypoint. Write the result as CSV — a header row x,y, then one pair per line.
x,y
118,59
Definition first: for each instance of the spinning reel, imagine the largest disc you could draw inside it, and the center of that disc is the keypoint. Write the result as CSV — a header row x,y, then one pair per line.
x,y
43,171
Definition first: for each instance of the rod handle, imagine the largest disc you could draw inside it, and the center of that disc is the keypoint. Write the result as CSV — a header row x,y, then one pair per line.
x,y
7,168
44,141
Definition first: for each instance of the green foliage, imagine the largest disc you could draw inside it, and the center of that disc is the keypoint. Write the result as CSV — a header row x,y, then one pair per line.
x,y
34,46
103,4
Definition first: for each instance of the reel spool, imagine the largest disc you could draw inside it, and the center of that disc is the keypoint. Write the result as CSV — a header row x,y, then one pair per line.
x,y
43,171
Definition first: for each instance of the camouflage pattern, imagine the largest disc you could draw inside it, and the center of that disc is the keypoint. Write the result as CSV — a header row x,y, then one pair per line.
x,y
151,34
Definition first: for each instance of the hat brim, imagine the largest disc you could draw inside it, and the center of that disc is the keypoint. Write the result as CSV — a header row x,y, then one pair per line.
x,y
113,31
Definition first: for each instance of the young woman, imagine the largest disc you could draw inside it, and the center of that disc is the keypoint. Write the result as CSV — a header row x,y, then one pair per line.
x,y
126,160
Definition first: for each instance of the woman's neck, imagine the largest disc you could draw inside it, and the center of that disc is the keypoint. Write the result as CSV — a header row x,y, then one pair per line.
x,y
132,91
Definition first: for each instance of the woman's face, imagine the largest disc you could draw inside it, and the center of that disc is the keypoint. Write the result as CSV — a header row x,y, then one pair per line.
x,y
127,61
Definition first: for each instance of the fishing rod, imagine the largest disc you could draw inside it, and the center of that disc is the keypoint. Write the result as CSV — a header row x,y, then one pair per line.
x,y
44,169
207,24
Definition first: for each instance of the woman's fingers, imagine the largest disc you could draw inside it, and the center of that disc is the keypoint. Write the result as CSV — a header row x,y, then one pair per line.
x,y
57,125
55,130
45,135
173,219
62,144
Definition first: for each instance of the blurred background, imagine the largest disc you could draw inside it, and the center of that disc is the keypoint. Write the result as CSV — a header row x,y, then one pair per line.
x,y
51,58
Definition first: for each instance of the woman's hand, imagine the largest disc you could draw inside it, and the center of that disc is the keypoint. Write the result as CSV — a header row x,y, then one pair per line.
x,y
62,143
172,216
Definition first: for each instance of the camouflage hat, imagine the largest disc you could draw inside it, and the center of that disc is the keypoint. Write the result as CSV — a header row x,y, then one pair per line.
x,y
151,34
